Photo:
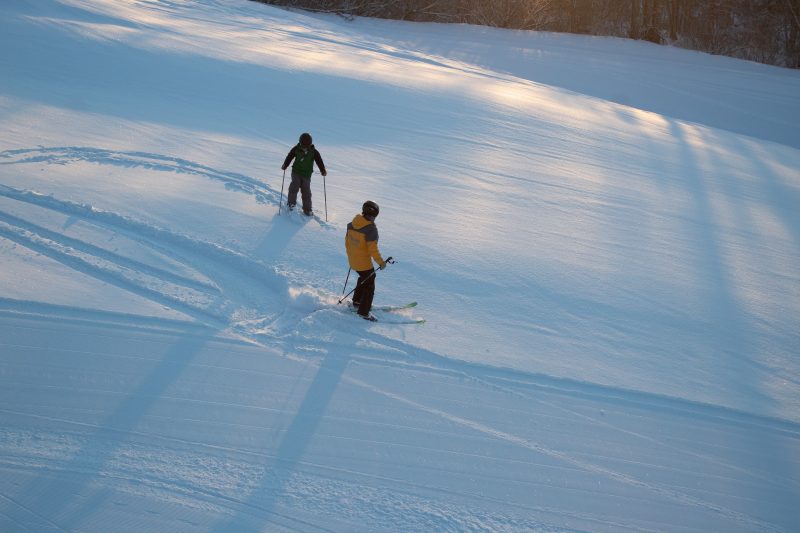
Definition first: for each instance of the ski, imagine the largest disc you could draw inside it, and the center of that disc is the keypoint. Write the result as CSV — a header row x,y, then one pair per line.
x,y
402,321
387,308
392,319
397,320
390,308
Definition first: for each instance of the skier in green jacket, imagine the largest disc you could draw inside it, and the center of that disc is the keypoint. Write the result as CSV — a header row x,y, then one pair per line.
x,y
304,155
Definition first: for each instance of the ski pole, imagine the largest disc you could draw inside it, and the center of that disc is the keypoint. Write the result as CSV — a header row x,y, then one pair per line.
x,y
389,261
325,191
346,280
280,202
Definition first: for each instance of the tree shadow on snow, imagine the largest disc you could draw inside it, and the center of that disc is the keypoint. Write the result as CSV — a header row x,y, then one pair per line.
x,y
68,493
259,509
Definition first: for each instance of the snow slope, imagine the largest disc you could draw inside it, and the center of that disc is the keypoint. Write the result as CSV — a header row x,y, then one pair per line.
x,y
603,237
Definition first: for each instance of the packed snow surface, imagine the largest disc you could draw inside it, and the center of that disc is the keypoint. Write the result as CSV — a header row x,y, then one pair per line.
x,y
603,238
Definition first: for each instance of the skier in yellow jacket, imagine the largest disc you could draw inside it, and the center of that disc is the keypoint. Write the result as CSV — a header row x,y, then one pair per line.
x,y
361,243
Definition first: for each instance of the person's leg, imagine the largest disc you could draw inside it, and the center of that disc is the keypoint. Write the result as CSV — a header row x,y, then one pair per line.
x,y
366,291
305,190
359,292
294,186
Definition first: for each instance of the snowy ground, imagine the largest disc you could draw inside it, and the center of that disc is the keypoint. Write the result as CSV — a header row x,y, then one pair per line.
x,y
603,237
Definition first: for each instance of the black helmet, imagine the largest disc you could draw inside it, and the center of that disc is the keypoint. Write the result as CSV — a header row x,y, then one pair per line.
x,y
305,139
370,209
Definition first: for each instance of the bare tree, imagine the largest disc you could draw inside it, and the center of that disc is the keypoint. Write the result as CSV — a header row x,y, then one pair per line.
x,y
518,14
761,30
635,30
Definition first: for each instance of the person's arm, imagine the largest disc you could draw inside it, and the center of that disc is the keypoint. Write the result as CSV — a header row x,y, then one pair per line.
x,y
372,246
320,164
288,159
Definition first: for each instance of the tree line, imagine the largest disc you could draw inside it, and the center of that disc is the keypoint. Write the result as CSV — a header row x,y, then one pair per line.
x,y
767,31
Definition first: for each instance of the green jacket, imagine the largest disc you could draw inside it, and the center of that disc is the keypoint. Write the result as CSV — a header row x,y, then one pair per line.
x,y
304,159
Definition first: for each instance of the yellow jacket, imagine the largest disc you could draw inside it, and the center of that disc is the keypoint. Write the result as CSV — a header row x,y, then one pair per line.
x,y
361,243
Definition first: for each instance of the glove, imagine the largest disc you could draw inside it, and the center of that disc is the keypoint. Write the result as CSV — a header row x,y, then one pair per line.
x,y
382,265
325,173
283,167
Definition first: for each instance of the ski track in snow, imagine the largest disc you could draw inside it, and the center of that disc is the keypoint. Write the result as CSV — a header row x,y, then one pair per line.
x,y
679,497
525,386
71,154
164,483
258,403
215,306
204,302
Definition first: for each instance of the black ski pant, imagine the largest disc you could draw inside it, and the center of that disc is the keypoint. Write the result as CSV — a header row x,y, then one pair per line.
x,y
304,186
365,291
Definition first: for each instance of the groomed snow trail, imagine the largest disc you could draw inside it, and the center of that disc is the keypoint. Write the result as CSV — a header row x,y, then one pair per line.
x,y
302,413
607,266
180,428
